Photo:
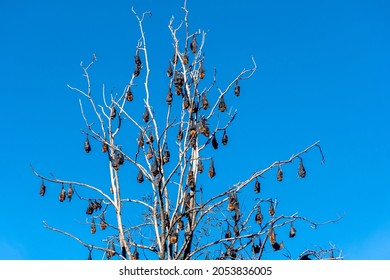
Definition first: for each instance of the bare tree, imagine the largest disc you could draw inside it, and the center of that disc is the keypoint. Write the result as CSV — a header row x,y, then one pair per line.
x,y
180,219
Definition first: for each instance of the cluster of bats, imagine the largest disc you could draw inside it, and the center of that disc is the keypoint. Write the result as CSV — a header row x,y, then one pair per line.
x,y
271,210
233,206
196,125
301,171
94,206
63,193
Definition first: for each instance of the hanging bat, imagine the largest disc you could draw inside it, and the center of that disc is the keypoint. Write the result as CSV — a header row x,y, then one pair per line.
x,y
154,168
173,238
279,174
87,145
42,189
175,57
169,97
178,80
62,194
205,102
203,127
149,155
236,217
206,131
70,192
301,170
103,224
202,72
193,107
135,255
166,220
305,257
137,71
185,59
158,157
129,94
233,254
137,60
237,89
121,158
222,104
186,102
233,202
271,209
166,154
190,175
187,234
191,184
193,140
292,231
230,251
224,138
178,90
193,45
232,205
124,253
228,233
180,134
256,248
93,226
214,142
192,126
236,231
90,255
97,205
145,116
104,147
180,224
187,199
115,161
259,216
158,180
278,246
140,176
112,112
90,208
200,166
169,70
150,138
141,140
212,172
110,252
257,186
272,235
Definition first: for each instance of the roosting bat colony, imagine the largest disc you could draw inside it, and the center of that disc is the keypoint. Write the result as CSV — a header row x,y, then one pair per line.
x,y
181,217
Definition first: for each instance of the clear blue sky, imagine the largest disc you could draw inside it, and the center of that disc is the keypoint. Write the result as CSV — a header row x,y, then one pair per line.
x,y
323,75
